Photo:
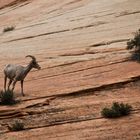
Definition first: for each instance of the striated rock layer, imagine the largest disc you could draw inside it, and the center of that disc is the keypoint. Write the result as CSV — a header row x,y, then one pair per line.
x,y
81,47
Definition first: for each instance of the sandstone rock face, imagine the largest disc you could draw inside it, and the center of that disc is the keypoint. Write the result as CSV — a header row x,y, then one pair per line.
x,y
81,47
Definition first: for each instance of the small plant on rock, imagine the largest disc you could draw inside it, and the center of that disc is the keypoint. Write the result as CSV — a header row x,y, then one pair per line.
x,y
17,125
117,110
7,29
7,97
135,45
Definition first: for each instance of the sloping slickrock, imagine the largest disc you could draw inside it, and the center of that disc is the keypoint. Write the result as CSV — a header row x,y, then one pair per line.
x,y
81,47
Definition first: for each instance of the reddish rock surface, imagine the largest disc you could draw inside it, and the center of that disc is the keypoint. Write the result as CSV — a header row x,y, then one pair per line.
x,y
81,47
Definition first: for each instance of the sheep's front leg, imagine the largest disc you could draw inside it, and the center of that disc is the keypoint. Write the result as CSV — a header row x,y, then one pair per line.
x,y
22,88
5,80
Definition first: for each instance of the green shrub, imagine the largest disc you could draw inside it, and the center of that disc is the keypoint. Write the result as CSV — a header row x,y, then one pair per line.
x,y
17,125
7,97
135,45
7,29
117,110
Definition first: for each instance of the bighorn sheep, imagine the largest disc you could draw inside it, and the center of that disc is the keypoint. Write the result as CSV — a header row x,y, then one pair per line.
x,y
18,73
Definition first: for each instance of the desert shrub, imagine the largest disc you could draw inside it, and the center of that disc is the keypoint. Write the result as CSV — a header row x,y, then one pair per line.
x,y
7,29
7,97
17,125
135,45
117,110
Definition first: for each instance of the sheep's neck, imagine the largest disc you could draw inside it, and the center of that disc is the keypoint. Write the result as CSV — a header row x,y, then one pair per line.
x,y
27,69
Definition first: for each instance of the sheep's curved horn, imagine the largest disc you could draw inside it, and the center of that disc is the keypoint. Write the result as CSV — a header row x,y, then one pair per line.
x,y
31,57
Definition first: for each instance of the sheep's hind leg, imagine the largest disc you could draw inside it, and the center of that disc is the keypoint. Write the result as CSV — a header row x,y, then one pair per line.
x,y
14,83
5,80
10,81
